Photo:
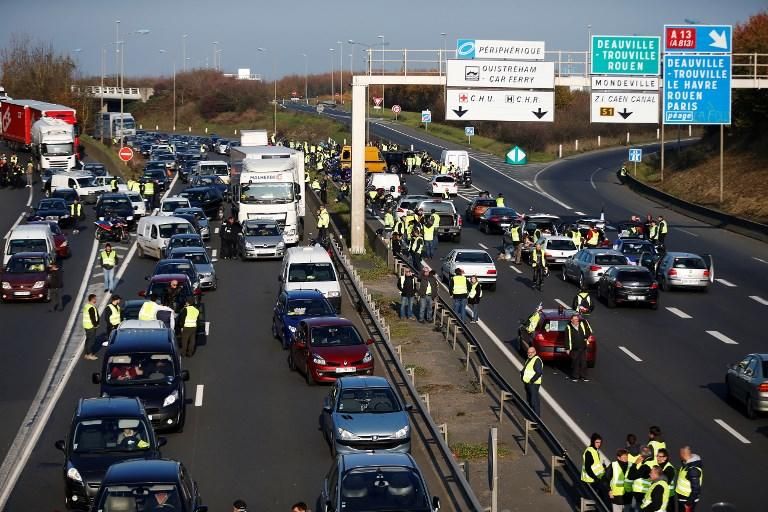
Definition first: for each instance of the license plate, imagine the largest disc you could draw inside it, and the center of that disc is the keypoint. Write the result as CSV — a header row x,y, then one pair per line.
x,y
347,369
636,297
52,217
559,349
690,281
22,294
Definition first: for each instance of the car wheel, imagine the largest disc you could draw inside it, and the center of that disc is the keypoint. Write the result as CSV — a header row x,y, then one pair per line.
x,y
291,362
563,274
749,409
308,377
274,330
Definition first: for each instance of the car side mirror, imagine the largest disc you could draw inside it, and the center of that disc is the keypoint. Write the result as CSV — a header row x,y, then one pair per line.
x,y
185,375
369,341
435,503
162,441
60,445
96,378
748,372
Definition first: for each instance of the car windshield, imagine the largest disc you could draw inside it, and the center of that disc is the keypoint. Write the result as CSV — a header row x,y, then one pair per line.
x,y
140,498
542,225
309,307
213,170
155,174
110,435
26,245
266,193
690,262
561,245
261,230
485,202
130,369
335,336
636,247
629,275
86,182
473,257
51,204
409,205
173,268
25,265
367,400
115,202
181,228
198,258
558,325
311,272
608,260
57,149
441,207
383,489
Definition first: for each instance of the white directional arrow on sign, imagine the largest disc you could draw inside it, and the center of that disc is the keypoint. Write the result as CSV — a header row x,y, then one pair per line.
x,y
500,105
718,39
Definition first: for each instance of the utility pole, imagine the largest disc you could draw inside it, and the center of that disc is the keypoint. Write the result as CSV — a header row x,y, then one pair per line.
x,y
184,53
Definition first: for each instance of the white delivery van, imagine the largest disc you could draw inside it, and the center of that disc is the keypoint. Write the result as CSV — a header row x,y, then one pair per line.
x,y
311,268
153,233
82,182
390,183
170,204
459,159
29,238
218,168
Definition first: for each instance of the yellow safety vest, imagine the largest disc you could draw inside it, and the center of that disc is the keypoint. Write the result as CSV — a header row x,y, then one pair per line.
x,y
654,233
581,328
417,245
192,315
533,321
459,285
429,233
583,296
109,258
663,228
647,498
149,188
399,226
529,371
75,209
576,237
148,311
672,483
593,239
315,185
500,202
514,233
683,485
618,477
323,220
389,220
87,324
114,314
429,288
643,484
475,289
113,183
597,466
656,446
538,256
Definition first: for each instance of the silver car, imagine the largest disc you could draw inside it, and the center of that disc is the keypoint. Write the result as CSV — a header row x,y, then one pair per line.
x,y
747,382
202,221
202,262
587,265
260,239
364,413
473,262
685,270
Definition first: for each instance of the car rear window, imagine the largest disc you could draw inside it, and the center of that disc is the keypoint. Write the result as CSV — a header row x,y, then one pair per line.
x,y
630,275
473,257
485,202
693,263
444,179
561,245
445,207
765,369
610,259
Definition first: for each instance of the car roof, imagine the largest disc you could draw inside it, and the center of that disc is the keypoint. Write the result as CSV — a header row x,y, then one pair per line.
x,y
307,254
109,406
304,294
113,195
142,471
189,249
683,255
322,321
165,278
363,381
140,340
351,461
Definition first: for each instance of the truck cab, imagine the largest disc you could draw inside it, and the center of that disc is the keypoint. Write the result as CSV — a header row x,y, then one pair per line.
x,y
53,144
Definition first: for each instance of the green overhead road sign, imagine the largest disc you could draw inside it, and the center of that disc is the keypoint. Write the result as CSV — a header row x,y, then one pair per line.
x,y
516,156
625,55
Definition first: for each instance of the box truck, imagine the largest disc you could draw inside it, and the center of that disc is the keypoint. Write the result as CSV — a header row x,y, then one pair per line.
x,y
18,116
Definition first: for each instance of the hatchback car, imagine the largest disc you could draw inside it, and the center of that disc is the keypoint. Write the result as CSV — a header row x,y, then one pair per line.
x,y
202,262
143,485
557,249
747,383
178,266
628,284
365,413
326,348
477,207
103,431
292,307
633,249
439,184
260,240
184,240
25,277
67,194
550,339
145,364
497,220
52,208
200,220
587,265
685,270
473,262
376,481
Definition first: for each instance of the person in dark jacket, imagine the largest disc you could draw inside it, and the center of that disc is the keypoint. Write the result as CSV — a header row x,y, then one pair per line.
x,y
657,495
533,368
427,293
577,336
229,233
55,286
90,320
670,473
407,285
592,469
615,476
688,486
474,296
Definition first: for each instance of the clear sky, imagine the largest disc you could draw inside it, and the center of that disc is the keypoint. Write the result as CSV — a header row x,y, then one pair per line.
x,y
290,28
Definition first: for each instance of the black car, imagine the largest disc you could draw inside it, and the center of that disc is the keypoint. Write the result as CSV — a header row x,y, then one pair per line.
x,y
95,168
52,208
496,220
67,194
395,161
144,485
178,266
144,149
103,431
113,205
210,199
145,364
210,181
158,176
628,284
184,240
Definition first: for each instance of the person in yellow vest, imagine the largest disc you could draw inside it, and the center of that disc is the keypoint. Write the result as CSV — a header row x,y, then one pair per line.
x,y
149,194
576,237
446,194
539,264
399,227
459,288
131,184
113,314
90,321
148,309
409,218
517,244
473,298
188,320
663,229
389,220
443,169
582,302
653,233
655,440
323,222
657,496
616,476
108,260
593,236
113,184
670,473
343,192
500,200
417,248
531,374
315,185
592,469
640,473
689,480
578,334
76,214
430,238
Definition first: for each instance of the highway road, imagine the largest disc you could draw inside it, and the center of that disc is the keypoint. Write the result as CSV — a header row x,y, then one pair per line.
x,y
662,367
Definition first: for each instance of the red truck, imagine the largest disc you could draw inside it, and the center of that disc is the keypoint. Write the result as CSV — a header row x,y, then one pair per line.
x,y
18,116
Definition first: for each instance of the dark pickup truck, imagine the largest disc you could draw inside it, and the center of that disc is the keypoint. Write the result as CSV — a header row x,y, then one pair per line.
x,y
450,220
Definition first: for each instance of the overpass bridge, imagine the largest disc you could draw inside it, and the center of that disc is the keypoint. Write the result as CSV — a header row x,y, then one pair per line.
x,y
115,93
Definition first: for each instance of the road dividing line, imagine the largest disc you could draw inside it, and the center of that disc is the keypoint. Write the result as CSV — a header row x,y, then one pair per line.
x,y
483,246
213,253
199,395
681,314
726,283
761,260
759,300
722,337
561,303
631,354
732,431
216,230
579,213
207,328
516,269
31,193
21,217
592,177
687,232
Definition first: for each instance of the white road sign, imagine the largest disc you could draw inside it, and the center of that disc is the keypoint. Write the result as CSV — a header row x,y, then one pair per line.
x,y
625,83
624,107
505,74
494,49
497,105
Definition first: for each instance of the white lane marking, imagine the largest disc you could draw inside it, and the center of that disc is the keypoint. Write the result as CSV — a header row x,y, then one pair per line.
x,y
759,300
199,395
21,217
516,269
207,328
579,213
592,177
631,354
483,246
687,232
681,314
726,283
561,303
216,230
732,431
722,337
213,253
761,260
29,199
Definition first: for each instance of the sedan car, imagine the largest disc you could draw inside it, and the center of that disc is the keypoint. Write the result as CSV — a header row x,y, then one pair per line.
x,y
184,240
365,413
326,348
496,220
550,339
202,262
292,307
557,249
685,270
409,202
52,208
259,240
747,383
477,207
376,481
67,194
439,184
628,284
473,262
633,249
25,277
587,265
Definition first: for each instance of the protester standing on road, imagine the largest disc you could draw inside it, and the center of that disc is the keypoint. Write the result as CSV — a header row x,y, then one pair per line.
x,y
616,476
323,222
188,319
55,285
427,293
531,374
657,496
416,248
30,175
324,189
592,469
299,507
670,473
90,324
407,286
108,259
578,341
473,297
228,234
500,200
459,288
113,314
689,480
640,474
582,302
76,213
539,264
663,228
655,440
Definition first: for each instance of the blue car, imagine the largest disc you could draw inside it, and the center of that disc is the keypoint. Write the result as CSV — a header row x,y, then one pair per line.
x,y
294,306
633,248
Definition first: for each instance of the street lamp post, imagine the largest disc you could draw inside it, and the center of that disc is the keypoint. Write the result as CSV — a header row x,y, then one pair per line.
x,y
215,48
184,52
333,91
341,71
442,56
117,53
174,90
306,78
382,69
120,44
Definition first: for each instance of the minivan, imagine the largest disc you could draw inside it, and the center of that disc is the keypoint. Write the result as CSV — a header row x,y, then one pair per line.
x,y
459,159
390,183
374,162
153,233
30,238
310,268
82,182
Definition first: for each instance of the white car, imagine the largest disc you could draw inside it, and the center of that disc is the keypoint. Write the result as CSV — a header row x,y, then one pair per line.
x,y
106,183
557,249
139,206
170,204
409,202
473,262
440,183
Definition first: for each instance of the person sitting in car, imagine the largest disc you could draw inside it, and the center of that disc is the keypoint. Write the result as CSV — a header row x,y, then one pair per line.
x,y
130,439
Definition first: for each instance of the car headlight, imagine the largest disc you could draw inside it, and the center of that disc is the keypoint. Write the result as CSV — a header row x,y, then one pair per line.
x,y
171,399
206,274
281,245
129,218
65,243
403,432
38,285
368,357
6,285
292,328
74,474
333,293
346,434
318,360
249,246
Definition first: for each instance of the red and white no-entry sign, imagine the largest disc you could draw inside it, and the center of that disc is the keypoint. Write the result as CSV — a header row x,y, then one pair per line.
x,y
125,154
396,109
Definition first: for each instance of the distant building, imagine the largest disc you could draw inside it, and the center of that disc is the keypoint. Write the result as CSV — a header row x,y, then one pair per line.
x,y
244,74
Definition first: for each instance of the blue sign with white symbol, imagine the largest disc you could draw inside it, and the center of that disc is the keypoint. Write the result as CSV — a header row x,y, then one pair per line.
x,y
698,38
465,48
697,89
426,116
635,155
469,131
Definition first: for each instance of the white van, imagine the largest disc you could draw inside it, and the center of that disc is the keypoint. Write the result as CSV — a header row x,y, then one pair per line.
x,y
29,238
82,182
459,159
218,168
310,268
390,183
153,233
170,204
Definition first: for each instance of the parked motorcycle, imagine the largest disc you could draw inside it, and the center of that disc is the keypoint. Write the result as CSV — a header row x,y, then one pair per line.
x,y
111,229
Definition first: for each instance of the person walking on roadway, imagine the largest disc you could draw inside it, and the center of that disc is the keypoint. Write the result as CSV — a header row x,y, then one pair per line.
x,y
113,314
108,260
531,374
323,222
30,171
459,289
539,264
90,324
689,480
76,213
582,302
55,285
663,228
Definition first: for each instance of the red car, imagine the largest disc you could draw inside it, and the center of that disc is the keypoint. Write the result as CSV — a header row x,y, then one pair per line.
x,y
549,337
326,348
477,208
25,277
59,238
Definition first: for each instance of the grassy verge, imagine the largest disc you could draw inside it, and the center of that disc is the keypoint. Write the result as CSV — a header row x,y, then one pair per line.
x,y
475,451
108,156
